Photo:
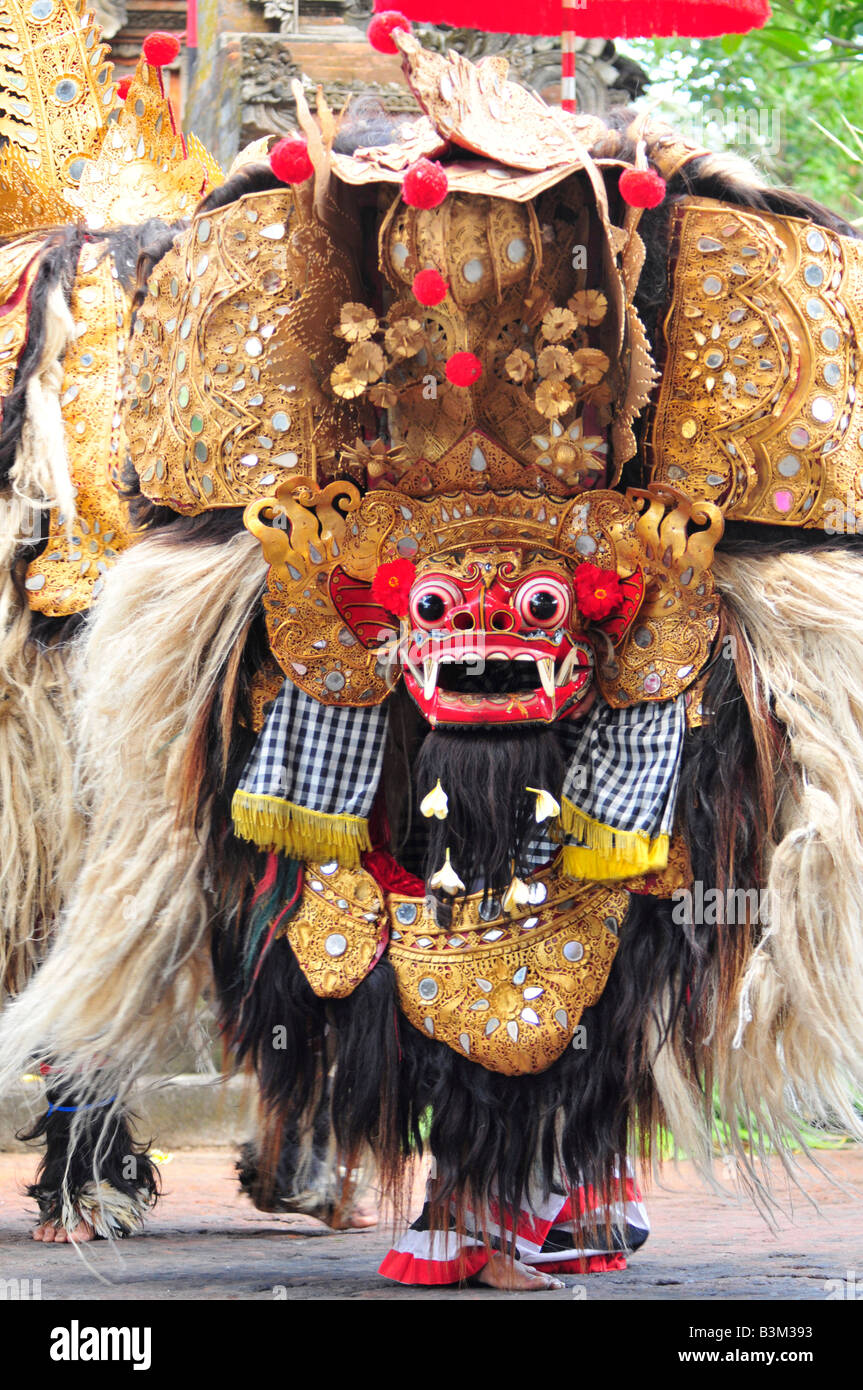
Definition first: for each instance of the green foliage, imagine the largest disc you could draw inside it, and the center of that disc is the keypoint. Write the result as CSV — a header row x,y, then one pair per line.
x,y
782,91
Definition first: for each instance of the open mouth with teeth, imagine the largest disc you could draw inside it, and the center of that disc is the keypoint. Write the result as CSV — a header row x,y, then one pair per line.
x,y
530,681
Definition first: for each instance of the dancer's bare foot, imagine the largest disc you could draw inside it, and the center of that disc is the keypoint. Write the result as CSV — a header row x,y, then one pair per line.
x,y
363,1214
360,1216
515,1277
58,1235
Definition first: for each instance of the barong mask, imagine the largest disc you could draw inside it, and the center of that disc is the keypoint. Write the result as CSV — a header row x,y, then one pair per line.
x,y
644,622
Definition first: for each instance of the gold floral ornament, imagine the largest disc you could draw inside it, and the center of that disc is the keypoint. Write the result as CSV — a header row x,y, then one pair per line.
x,y
555,364
70,572
571,455
366,362
405,338
590,365
356,323
232,353
589,306
558,325
553,399
383,395
375,460
519,365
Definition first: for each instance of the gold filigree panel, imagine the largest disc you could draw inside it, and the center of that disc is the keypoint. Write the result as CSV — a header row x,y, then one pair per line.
x,y
229,351
339,929
759,409
55,87
143,167
507,991
70,572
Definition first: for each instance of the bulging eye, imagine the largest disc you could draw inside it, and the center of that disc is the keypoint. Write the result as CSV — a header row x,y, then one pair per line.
x,y
432,598
431,607
543,605
544,601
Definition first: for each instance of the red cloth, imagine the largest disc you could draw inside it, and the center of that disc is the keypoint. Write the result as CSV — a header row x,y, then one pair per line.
x,y
407,1269
611,19
389,875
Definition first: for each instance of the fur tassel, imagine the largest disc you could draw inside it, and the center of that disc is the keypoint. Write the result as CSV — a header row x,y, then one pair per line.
x,y
41,470
41,828
109,1212
130,959
787,1044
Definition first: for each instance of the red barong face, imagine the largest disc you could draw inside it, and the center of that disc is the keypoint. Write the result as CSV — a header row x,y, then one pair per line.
x,y
497,639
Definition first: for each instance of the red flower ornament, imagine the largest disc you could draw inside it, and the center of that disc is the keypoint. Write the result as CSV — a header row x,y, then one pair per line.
x,y
123,87
425,184
391,585
598,592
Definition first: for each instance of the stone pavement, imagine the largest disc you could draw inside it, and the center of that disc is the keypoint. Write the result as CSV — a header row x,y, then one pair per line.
x,y
206,1242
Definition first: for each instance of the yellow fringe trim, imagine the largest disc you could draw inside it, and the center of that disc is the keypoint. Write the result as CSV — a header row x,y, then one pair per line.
x,y
607,853
273,823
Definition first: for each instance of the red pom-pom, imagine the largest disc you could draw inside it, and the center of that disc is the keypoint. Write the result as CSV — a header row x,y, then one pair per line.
x,y
160,48
290,162
598,592
381,27
463,369
391,585
642,188
123,87
430,287
425,184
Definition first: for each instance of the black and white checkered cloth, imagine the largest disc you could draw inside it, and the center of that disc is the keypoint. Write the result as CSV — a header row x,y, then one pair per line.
x,y
325,758
623,768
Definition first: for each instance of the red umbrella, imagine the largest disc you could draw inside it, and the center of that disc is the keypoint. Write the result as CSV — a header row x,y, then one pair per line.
x,y
607,19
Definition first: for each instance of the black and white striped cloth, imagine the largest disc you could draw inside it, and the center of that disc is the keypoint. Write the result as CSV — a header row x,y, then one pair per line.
x,y
325,758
